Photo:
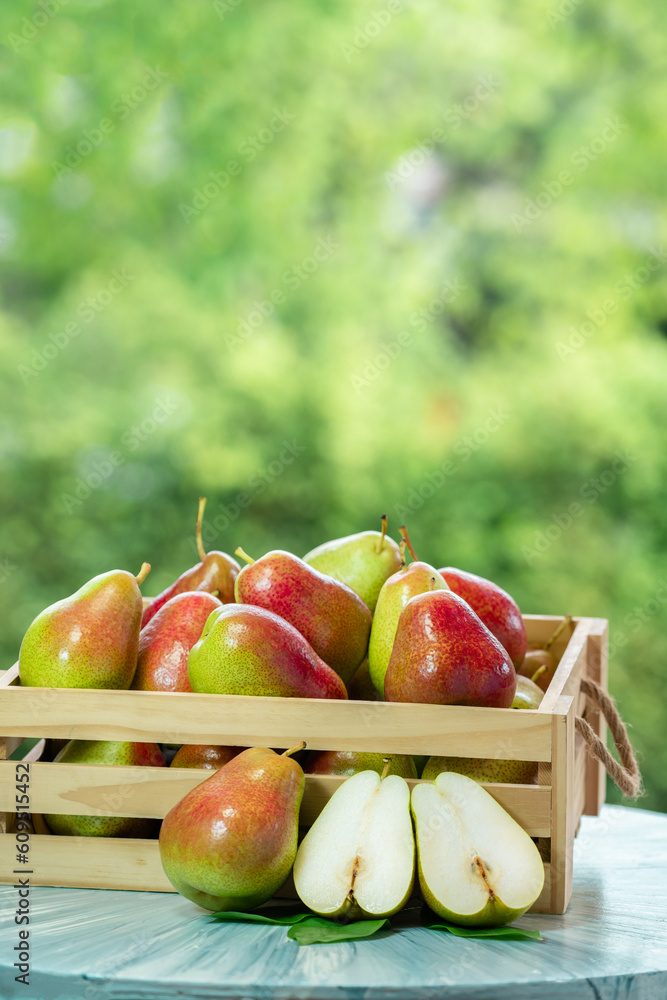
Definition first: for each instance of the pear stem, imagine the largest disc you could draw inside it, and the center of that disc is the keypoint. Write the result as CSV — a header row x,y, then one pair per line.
x,y
404,534
143,573
244,555
401,547
538,673
387,764
565,622
200,517
299,746
380,544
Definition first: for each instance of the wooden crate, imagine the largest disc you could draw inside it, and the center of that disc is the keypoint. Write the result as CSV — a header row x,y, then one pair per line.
x,y
570,782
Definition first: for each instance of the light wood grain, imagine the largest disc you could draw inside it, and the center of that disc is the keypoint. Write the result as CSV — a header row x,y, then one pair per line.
x,y
563,821
597,669
99,790
237,720
104,863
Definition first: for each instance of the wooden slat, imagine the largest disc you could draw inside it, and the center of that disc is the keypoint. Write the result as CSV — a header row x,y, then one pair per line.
x,y
597,669
572,662
98,790
237,720
562,804
10,676
101,863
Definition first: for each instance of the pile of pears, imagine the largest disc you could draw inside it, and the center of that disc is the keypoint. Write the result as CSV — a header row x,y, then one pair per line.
x,y
353,619
349,619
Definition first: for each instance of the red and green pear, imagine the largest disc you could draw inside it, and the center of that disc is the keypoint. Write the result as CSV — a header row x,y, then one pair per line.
x,y
497,609
417,578
106,752
165,643
444,655
484,769
231,842
88,640
363,561
328,613
347,762
206,756
214,574
248,650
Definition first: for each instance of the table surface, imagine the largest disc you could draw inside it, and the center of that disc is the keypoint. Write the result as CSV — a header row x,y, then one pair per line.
x,y
610,945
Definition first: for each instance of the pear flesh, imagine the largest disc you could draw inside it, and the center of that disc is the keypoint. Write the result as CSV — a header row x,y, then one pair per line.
x,y
477,867
357,860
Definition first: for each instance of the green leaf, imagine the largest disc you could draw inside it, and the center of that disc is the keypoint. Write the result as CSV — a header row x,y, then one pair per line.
x,y
510,933
282,915
319,930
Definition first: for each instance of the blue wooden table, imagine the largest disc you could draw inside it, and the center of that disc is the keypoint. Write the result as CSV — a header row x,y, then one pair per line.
x,y
610,945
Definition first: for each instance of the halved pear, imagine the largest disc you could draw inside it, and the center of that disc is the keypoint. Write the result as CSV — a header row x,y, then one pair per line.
x,y
477,867
358,859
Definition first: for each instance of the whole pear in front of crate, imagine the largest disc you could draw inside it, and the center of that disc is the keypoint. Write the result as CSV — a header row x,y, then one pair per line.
x,y
106,752
231,842
88,640
477,866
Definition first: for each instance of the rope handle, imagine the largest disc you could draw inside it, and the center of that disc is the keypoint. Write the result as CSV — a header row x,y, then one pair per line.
x,y
626,774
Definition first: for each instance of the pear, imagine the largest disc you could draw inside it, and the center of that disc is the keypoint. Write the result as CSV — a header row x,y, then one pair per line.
x,y
248,650
444,655
527,694
88,640
357,860
348,762
363,561
165,643
205,756
518,772
540,661
231,842
361,687
417,578
496,608
333,619
477,867
106,752
214,574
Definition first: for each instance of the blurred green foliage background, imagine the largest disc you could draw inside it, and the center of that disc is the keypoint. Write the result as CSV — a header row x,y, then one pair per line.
x,y
322,261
